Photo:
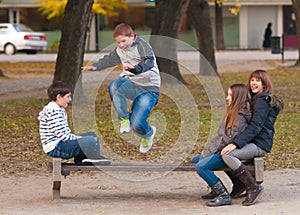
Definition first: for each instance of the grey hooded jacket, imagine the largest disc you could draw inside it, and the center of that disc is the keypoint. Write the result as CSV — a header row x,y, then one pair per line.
x,y
225,137
141,56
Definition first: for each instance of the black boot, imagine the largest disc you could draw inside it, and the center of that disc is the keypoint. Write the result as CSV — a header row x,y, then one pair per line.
x,y
254,190
238,186
237,189
223,197
212,194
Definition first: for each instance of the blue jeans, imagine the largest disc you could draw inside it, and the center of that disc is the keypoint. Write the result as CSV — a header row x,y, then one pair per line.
x,y
197,158
205,166
143,102
86,146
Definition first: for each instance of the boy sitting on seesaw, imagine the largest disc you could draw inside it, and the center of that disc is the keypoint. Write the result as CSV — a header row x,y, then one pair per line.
x,y
57,139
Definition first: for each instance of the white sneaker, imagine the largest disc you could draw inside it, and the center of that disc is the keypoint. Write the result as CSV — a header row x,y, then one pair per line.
x,y
147,143
99,160
125,126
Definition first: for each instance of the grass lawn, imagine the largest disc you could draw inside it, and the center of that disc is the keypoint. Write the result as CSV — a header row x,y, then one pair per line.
x,y
20,147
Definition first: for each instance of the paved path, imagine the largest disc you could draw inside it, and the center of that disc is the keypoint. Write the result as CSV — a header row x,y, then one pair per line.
x,y
222,57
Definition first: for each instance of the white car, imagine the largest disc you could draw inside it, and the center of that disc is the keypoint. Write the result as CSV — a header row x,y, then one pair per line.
x,y
18,37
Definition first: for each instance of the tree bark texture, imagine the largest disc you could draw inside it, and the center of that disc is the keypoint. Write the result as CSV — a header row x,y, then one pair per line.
x,y
219,26
198,13
296,8
72,43
168,20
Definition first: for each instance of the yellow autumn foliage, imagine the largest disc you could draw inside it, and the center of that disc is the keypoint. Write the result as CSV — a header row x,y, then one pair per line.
x,y
56,8
234,10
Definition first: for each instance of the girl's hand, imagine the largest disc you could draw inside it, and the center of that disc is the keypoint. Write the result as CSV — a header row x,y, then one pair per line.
x,y
87,68
227,149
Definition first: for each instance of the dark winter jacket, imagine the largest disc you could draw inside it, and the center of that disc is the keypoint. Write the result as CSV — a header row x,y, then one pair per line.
x,y
225,137
265,108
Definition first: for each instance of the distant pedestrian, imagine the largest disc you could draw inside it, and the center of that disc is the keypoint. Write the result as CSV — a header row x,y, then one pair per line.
x,y
267,36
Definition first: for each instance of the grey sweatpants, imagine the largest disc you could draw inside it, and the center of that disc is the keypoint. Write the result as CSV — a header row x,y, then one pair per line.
x,y
249,151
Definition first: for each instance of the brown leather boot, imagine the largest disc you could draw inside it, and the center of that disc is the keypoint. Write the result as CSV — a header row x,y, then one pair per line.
x,y
254,190
238,187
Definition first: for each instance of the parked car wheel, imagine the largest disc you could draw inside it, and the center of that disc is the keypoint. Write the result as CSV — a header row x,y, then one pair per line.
x,y
10,49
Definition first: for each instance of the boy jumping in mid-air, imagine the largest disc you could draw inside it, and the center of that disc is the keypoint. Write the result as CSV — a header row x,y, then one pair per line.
x,y
56,136
139,81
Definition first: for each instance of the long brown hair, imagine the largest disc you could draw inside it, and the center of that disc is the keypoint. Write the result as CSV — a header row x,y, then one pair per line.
x,y
265,80
240,100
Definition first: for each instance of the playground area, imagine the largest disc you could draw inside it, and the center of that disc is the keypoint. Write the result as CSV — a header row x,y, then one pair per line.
x,y
26,181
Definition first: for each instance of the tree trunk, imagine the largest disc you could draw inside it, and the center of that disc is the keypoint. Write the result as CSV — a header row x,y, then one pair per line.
x,y
72,43
198,12
2,74
296,8
168,19
219,26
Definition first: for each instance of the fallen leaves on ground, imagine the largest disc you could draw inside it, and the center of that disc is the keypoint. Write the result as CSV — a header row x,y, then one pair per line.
x,y
21,151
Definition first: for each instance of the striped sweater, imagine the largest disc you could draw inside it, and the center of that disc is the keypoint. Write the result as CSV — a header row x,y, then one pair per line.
x,y
54,126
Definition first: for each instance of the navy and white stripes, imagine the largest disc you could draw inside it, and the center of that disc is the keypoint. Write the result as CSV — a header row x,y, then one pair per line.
x,y
54,126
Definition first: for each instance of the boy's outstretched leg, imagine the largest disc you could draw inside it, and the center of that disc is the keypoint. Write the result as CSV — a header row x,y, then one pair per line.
x,y
141,109
119,91
90,146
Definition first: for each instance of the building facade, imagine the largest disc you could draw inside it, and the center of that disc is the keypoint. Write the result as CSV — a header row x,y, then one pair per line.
x,y
242,31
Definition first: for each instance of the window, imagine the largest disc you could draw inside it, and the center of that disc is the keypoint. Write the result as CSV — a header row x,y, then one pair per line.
x,y
3,30
289,21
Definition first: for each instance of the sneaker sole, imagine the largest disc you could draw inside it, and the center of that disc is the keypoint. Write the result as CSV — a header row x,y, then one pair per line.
x,y
220,204
125,131
145,150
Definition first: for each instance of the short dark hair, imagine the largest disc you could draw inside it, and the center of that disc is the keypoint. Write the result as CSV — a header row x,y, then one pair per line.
x,y
58,88
123,29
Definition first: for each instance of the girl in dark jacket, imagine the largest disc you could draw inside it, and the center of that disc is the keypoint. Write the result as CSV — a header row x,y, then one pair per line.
x,y
257,139
235,121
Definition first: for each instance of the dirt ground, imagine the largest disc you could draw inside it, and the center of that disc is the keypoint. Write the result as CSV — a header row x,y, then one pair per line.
x,y
174,193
